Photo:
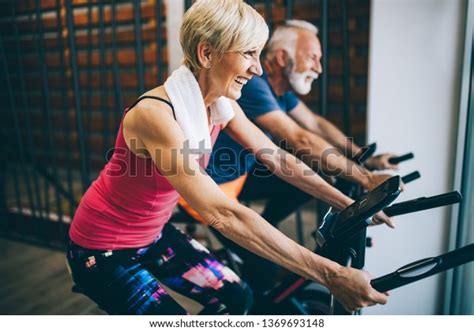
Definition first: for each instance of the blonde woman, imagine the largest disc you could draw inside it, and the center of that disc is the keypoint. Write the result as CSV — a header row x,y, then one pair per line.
x,y
122,248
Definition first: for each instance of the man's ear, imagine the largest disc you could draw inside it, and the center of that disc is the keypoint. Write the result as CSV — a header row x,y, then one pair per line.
x,y
282,58
204,54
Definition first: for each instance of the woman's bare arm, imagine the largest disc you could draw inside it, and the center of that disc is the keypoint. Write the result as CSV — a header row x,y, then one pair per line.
x,y
164,141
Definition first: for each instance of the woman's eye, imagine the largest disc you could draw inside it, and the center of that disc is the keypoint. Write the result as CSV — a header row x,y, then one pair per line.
x,y
249,53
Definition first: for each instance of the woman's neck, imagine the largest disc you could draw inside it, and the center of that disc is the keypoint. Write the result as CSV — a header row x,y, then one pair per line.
x,y
208,93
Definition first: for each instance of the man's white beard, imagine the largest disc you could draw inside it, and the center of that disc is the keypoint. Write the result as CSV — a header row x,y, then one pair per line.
x,y
298,81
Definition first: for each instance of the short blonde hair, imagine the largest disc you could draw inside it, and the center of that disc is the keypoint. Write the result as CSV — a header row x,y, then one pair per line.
x,y
227,25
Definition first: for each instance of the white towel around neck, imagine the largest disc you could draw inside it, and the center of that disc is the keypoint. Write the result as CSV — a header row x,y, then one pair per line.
x,y
185,95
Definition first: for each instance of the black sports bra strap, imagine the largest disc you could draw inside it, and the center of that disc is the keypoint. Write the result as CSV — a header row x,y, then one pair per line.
x,y
156,98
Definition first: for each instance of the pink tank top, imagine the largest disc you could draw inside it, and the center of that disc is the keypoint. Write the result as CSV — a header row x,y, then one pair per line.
x,y
128,204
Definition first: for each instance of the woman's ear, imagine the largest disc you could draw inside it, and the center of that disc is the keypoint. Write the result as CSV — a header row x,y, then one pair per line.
x,y
204,54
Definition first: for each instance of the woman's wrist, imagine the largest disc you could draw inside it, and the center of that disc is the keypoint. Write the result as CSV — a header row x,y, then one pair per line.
x,y
332,196
329,272
345,202
341,202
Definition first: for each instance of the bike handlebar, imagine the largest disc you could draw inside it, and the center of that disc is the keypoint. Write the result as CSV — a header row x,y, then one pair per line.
x,y
411,177
423,268
423,203
401,158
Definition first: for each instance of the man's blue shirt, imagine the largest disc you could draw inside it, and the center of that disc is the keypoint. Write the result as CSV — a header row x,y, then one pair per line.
x,y
229,160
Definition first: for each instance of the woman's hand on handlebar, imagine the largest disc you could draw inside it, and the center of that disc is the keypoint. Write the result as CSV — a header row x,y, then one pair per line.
x,y
381,218
380,162
352,289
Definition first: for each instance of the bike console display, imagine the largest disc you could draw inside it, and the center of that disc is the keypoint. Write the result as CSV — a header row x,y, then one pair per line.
x,y
356,217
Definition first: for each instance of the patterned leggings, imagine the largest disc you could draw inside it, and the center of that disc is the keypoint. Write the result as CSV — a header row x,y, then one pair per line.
x,y
125,281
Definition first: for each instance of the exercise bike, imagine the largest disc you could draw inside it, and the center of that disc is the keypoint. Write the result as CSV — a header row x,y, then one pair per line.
x,y
341,235
295,296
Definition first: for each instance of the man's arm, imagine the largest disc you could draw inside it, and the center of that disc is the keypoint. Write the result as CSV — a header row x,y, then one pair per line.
x,y
288,167
283,164
315,151
164,141
322,127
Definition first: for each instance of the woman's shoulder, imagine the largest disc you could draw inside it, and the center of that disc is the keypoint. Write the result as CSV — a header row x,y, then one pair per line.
x,y
151,111
149,103
156,98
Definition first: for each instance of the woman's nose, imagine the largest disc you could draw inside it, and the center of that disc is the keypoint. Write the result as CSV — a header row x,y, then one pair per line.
x,y
256,68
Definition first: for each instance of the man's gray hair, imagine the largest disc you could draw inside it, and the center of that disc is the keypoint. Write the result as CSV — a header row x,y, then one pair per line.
x,y
285,36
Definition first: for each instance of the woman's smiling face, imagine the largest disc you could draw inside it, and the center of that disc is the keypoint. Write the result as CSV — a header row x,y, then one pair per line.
x,y
231,72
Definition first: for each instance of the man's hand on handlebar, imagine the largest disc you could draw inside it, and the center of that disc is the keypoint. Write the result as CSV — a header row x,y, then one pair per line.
x,y
374,180
352,289
380,162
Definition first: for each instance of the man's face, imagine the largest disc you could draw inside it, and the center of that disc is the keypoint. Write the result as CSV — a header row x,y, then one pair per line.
x,y
305,66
